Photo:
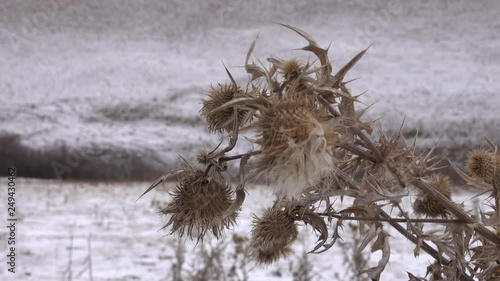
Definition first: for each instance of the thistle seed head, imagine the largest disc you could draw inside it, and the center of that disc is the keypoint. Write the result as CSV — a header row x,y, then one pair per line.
x,y
292,68
484,164
296,141
222,120
198,204
272,235
202,157
427,205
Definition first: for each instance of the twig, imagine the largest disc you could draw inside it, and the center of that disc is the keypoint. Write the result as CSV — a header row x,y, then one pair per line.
x,y
69,269
496,196
425,246
368,143
358,151
238,156
391,219
89,249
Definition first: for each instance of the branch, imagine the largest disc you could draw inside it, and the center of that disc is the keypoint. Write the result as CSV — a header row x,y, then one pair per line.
x,y
368,143
358,151
390,219
238,156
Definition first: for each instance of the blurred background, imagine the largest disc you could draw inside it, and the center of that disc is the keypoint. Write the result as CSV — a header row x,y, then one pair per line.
x,y
110,90
100,91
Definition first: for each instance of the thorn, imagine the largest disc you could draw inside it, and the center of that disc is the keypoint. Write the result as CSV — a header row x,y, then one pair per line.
x,y
230,76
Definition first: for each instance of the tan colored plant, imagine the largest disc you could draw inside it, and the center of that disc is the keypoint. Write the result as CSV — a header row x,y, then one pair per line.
x,y
313,145
272,235
484,164
198,205
429,206
223,120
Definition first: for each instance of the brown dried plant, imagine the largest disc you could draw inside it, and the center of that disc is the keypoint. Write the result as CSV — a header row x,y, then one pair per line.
x,y
484,164
272,235
198,204
427,205
313,145
223,120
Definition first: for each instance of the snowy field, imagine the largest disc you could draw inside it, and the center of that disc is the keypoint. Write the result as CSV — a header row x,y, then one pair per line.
x,y
121,80
58,219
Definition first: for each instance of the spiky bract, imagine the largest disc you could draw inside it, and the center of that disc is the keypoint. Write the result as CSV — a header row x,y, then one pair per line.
x,y
198,205
484,164
222,120
428,205
272,235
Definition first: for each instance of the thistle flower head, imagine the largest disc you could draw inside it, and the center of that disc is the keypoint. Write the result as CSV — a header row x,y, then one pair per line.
x,y
222,120
292,68
483,164
202,157
296,140
272,235
198,205
427,205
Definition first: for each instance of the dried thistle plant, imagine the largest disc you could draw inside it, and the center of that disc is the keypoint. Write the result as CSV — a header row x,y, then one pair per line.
x,y
291,69
296,139
314,146
198,205
272,235
223,120
484,164
427,205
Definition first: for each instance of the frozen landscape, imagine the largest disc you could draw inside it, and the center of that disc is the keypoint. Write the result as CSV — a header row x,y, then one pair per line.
x,y
111,90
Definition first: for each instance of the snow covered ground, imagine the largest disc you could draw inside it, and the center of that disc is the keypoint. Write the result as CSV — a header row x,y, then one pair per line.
x,y
58,219
128,76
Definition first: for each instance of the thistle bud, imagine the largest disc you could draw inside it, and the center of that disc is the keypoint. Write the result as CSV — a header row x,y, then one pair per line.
x,y
222,120
427,205
272,235
198,204
484,164
202,157
292,69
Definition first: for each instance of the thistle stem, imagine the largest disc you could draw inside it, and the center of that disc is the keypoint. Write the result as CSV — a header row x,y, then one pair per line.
x,y
358,151
238,156
391,219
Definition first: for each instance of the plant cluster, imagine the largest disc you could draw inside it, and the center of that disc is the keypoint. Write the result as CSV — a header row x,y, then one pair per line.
x,y
313,146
